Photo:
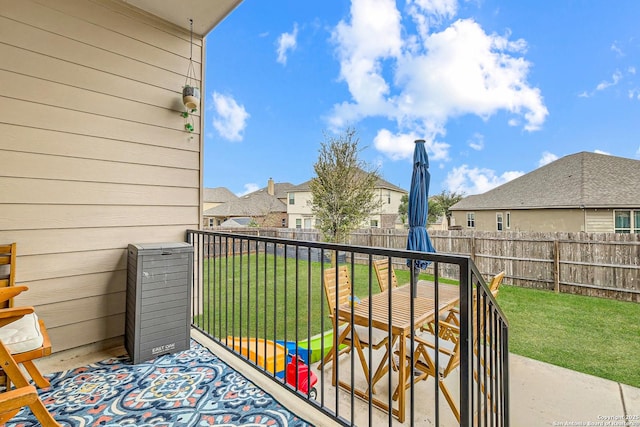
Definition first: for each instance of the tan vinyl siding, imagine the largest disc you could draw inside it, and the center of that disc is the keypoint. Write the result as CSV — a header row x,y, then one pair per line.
x,y
93,154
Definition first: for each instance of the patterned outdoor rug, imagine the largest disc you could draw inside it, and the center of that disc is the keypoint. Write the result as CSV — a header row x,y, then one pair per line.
x,y
190,388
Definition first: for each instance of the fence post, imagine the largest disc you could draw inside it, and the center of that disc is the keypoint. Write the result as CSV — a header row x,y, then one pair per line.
x,y
556,266
473,248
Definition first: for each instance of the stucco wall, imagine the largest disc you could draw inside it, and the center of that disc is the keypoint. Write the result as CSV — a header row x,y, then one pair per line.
x,y
568,220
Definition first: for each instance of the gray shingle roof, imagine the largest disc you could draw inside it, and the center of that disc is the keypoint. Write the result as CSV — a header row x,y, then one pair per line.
x,y
218,195
258,203
578,180
381,183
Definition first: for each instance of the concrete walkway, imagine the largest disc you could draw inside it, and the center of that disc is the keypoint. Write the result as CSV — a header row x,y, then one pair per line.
x,y
541,394
544,394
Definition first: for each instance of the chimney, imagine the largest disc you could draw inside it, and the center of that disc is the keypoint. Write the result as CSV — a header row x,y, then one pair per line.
x,y
271,187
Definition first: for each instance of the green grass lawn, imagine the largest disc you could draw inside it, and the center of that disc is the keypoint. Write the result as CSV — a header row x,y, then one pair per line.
x,y
593,335
587,334
243,303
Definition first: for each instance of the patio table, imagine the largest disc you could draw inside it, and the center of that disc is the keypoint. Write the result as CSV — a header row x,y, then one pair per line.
x,y
401,324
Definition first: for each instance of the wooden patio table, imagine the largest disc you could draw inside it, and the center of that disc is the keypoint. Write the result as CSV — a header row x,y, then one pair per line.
x,y
401,326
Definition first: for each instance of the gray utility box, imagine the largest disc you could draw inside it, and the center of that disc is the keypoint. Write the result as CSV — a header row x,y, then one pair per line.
x,y
158,319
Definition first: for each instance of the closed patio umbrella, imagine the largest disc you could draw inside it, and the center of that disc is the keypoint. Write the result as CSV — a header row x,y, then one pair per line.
x,y
418,239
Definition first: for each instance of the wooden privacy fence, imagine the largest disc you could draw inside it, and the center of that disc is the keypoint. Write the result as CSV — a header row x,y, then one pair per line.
x,y
597,264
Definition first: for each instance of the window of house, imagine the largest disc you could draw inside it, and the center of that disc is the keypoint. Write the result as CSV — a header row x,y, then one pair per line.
x,y
211,222
499,223
307,223
374,223
623,221
389,197
636,222
508,219
292,198
298,223
471,220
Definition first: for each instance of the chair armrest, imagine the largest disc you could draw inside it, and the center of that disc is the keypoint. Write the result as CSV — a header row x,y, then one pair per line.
x,y
441,348
9,315
443,324
9,292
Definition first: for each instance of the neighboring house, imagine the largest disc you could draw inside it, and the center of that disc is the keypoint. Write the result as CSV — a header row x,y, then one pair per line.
x,y
237,222
94,154
300,215
266,207
213,197
439,224
580,192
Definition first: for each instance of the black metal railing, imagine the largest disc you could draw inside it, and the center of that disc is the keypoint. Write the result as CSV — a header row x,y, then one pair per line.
x,y
265,300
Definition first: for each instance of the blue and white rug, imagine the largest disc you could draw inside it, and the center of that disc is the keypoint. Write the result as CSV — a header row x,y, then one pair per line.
x,y
187,389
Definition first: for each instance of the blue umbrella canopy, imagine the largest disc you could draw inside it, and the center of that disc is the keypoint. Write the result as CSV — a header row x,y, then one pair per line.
x,y
418,239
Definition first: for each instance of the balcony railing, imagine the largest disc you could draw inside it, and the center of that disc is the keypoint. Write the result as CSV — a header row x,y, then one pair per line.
x,y
258,295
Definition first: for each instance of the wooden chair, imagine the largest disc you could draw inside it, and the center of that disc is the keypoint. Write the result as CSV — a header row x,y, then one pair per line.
x,y
7,268
453,315
424,349
384,269
11,401
351,335
24,335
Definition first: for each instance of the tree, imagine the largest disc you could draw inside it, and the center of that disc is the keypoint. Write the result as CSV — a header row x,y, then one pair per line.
x,y
444,201
435,210
403,209
342,191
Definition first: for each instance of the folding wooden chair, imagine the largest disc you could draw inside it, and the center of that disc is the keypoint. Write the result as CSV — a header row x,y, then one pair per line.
x,y
12,401
424,349
385,273
453,315
23,334
348,334
7,268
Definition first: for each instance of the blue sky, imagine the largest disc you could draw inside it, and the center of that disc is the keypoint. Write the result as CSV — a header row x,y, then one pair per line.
x,y
496,88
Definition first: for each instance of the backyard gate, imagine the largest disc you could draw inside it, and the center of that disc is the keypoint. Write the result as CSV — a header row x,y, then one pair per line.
x,y
158,299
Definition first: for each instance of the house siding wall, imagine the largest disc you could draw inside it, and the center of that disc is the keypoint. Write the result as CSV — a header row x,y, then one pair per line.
x,y
386,216
93,154
543,220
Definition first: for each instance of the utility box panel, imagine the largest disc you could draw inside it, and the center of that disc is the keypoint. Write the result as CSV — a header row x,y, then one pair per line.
x,y
158,319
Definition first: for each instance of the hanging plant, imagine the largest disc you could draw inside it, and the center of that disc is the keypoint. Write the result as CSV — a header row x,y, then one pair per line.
x,y
191,97
190,90
188,120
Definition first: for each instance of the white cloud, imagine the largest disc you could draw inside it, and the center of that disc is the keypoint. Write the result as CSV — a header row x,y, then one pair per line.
x,y
547,158
427,13
616,49
477,180
634,93
476,141
230,118
638,152
631,70
287,42
248,188
601,152
615,78
400,146
421,81
372,35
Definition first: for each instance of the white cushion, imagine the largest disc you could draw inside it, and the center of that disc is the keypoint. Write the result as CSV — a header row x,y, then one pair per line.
x,y
377,335
22,335
443,359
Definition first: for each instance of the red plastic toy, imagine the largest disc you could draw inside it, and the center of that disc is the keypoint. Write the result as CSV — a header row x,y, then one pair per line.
x,y
306,377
